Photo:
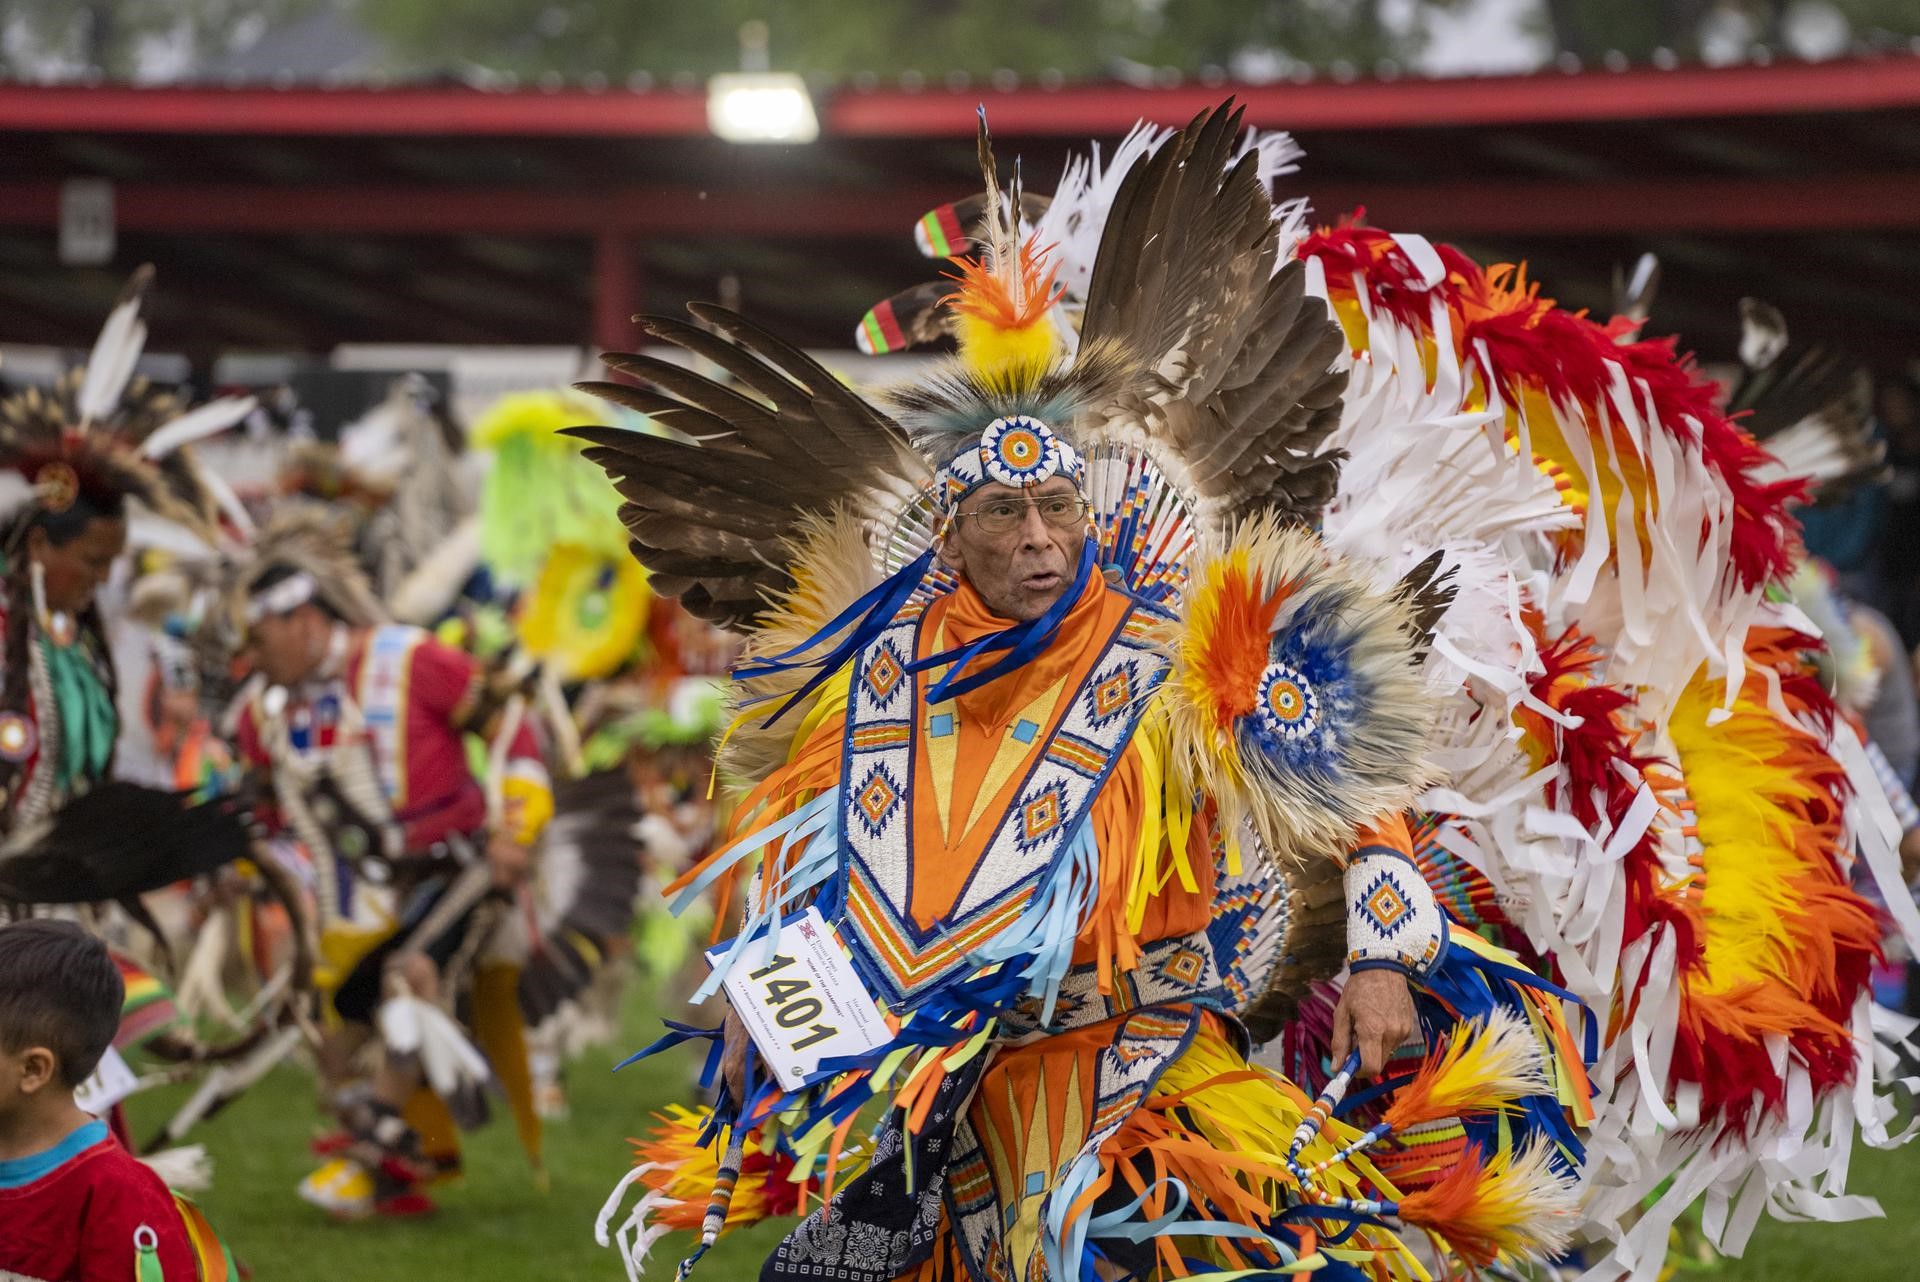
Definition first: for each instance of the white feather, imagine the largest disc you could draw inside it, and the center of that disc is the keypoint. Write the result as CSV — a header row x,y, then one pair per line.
x,y
431,586
1279,155
200,994
208,420
185,1170
15,491
1811,449
111,363
1075,221
224,498
146,530
411,1025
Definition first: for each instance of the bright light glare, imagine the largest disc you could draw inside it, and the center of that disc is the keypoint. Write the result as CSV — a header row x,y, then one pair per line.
x,y
761,107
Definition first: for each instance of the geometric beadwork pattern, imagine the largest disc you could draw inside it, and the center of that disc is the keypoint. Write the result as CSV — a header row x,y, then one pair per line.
x,y
1187,966
1386,910
1040,816
1112,695
877,799
879,793
1287,706
883,675
1392,916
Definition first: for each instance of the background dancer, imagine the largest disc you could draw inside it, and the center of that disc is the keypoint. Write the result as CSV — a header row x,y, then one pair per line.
x,y
360,728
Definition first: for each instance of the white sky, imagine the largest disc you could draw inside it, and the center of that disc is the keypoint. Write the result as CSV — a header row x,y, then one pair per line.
x,y
1484,37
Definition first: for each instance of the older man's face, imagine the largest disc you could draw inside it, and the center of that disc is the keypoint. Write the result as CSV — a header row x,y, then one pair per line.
x,y
1018,547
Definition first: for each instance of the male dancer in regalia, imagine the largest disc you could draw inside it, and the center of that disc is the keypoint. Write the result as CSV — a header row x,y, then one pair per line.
x,y
1060,782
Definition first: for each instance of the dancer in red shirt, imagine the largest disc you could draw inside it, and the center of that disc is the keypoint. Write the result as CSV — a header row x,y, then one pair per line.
x,y
359,728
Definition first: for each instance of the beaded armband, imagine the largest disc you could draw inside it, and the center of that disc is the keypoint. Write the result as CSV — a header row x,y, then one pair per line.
x,y
1392,919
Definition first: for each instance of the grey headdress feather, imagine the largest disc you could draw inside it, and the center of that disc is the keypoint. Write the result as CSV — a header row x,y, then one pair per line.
x,y
944,412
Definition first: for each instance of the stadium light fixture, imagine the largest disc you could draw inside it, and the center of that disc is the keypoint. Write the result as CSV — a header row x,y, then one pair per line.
x,y
761,107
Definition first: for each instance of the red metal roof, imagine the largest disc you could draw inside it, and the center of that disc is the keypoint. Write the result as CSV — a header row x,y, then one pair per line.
x,y
310,216
1069,111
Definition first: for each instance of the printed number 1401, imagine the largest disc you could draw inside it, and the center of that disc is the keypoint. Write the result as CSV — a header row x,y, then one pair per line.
x,y
793,1002
802,1002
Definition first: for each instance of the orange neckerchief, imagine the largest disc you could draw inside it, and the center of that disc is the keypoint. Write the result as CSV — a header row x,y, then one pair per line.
x,y
983,720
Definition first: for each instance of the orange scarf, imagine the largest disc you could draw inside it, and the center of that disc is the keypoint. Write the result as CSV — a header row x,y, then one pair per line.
x,y
983,721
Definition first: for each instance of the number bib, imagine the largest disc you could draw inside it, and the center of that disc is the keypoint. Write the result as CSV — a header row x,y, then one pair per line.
x,y
804,1003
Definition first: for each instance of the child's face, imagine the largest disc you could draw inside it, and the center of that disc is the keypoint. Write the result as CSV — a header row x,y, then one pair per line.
x,y
26,1076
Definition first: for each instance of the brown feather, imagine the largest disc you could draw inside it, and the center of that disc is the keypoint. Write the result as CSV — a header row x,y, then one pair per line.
x,y
1246,389
919,314
1824,392
1427,591
715,520
1314,950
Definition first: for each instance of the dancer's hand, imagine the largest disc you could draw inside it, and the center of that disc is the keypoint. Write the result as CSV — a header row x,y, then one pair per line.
x,y
733,1057
1375,1016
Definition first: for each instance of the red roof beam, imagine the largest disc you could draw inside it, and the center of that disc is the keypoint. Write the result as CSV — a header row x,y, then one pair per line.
x,y
1783,88
434,112
1545,97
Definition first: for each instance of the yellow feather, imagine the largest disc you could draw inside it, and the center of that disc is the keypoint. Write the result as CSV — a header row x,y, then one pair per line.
x,y
831,568
1484,1068
1011,355
1149,748
1735,776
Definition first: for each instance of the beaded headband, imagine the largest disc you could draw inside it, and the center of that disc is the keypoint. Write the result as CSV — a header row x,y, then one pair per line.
x,y
1014,450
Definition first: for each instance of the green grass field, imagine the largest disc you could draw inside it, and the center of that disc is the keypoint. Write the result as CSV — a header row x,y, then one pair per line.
x,y
494,1225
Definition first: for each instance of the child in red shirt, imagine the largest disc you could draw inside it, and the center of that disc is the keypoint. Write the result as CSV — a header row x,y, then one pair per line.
x,y
74,1205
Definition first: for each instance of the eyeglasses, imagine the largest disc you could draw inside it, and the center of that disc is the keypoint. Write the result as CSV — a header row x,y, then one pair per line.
x,y
999,516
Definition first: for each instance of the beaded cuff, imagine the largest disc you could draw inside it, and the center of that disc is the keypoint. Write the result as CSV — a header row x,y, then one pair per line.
x,y
1392,919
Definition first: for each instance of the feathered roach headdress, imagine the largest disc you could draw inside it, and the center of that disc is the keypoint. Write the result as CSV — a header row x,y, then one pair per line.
x,y
1200,391
103,434
1006,408
308,545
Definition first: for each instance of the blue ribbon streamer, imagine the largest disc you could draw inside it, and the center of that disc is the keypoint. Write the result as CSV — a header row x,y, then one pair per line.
x,y
1022,640
873,612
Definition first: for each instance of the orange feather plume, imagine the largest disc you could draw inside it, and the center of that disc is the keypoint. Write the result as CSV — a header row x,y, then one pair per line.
x,y
1001,312
1230,626
1006,300
1513,1204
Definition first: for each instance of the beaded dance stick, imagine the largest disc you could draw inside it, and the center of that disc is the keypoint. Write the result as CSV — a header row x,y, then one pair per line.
x,y
722,1200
